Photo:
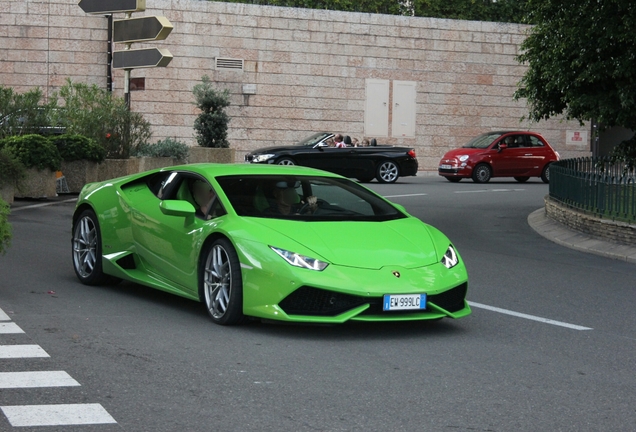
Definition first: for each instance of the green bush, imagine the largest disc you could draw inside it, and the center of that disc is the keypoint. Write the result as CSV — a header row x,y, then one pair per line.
x,y
164,148
211,125
12,171
78,147
95,113
22,113
5,227
34,151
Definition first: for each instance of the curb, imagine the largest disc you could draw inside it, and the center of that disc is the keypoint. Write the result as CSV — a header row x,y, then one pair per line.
x,y
560,234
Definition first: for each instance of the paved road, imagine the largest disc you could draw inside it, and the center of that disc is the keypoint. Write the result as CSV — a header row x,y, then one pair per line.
x,y
550,345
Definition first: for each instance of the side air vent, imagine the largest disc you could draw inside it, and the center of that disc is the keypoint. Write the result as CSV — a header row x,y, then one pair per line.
x,y
228,64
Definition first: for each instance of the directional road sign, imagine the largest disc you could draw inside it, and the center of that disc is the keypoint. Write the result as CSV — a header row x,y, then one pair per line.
x,y
112,6
141,29
141,58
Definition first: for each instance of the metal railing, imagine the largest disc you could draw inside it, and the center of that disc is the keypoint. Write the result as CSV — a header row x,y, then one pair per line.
x,y
596,186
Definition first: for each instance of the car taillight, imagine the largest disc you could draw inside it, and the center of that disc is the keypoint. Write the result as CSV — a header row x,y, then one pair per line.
x,y
411,153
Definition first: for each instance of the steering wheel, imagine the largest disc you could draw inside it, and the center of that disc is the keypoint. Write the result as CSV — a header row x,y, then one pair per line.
x,y
307,206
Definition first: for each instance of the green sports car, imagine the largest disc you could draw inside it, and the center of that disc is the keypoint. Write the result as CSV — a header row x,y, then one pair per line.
x,y
273,242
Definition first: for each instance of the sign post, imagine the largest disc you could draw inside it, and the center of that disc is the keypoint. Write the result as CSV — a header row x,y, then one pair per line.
x,y
129,31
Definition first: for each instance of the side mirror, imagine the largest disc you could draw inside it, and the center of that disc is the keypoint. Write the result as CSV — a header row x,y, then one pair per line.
x,y
176,208
503,146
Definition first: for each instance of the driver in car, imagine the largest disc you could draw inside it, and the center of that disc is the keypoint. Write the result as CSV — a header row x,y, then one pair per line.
x,y
287,201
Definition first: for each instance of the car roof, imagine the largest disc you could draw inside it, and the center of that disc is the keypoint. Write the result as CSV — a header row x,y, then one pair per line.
x,y
219,170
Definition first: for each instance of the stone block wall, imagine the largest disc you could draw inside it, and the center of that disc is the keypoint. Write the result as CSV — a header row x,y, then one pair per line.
x,y
614,231
309,68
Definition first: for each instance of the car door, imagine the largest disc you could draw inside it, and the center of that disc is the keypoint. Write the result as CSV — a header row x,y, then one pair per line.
x,y
513,160
540,154
170,245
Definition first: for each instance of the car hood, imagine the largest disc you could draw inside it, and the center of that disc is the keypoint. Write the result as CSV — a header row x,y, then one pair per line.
x,y
277,149
371,245
463,151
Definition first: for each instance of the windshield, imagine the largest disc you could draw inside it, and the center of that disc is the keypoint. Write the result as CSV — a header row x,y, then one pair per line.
x,y
307,198
314,139
482,141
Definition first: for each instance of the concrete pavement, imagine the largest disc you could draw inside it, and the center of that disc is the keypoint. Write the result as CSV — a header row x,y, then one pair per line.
x,y
564,236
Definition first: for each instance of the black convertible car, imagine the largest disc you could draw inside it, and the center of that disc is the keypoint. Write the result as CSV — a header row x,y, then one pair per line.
x,y
385,163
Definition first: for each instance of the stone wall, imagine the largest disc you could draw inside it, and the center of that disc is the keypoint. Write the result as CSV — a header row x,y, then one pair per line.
x,y
616,232
309,68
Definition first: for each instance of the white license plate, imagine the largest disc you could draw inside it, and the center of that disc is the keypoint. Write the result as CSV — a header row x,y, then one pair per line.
x,y
394,302
444,166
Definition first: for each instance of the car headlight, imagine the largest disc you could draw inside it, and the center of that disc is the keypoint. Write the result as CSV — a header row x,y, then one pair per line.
x,y
450,258
463,158
261,158
301,261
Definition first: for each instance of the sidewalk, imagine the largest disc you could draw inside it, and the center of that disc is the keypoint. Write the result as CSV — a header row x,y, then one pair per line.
x,y
560,234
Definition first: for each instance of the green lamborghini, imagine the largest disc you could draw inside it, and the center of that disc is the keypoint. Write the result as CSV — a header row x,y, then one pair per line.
x,y
272,242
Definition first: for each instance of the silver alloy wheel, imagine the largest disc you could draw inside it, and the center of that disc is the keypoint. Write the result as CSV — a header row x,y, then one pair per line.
x,y
482,174
217,282
388,172
286,161
85,246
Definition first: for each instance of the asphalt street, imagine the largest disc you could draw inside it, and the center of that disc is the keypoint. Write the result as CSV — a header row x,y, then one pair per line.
x,y
550,346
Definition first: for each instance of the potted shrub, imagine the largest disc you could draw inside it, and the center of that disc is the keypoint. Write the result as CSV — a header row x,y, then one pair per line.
x,y
12,172
80,159
211,125
5,227
41,159
160,154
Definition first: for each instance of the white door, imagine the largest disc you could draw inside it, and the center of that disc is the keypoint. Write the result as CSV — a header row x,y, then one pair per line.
x,y
376,109
404,95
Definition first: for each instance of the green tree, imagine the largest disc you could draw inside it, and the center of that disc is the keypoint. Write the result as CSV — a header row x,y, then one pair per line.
x,y
581,59
485,10
211,125
23,113
95,113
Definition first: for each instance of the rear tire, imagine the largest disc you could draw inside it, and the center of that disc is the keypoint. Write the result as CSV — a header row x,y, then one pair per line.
x,y
482,173
522,179
545,174
222,283
387,172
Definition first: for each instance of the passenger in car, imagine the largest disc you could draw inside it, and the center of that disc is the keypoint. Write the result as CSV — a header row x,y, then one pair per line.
x,y
339,142
203,195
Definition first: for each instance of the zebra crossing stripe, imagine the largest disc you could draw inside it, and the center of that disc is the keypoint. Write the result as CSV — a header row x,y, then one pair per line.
x,y
22,351
36,379
4,316
56,415
9,328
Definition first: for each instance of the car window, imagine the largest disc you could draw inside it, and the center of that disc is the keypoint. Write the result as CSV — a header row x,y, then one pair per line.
x,y
314,139
188,187
535,142
482,141
307,198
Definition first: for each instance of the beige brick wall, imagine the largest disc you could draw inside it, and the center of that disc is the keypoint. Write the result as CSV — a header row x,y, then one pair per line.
x,y
309,66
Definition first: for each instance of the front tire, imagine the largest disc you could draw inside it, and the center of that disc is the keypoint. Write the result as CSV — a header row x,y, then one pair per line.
x,y
87,250
545,174
285,161
223,283
387,172
454,179
482,173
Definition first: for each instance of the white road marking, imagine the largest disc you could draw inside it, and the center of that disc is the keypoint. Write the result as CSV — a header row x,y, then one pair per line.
x,y
489,190
4,316
42,205
36,379
407,195
528,317
22,351
56,415
8,328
